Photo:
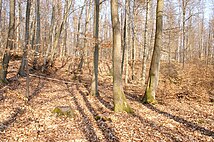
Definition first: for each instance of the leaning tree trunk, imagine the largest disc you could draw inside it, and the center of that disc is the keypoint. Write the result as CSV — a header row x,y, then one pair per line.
x,y
9,46
58,33
22,68
152,84
94,84
120,102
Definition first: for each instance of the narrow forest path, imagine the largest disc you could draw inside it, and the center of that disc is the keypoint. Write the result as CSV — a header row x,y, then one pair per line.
x,y
175,121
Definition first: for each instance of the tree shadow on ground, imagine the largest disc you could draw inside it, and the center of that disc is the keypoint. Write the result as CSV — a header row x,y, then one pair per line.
x,y
105,102
36,91
88,130
5,124
188,124
108,133
154,128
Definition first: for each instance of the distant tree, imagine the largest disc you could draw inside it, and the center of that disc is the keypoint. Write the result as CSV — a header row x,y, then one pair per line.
x,y
152,84
87,19
120,102
94,84
9,45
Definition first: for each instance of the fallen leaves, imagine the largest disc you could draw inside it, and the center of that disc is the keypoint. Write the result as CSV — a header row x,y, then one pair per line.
x,y
185,114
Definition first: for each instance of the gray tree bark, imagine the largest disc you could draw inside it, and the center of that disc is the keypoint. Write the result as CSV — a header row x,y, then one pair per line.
x,y
36,53
94,84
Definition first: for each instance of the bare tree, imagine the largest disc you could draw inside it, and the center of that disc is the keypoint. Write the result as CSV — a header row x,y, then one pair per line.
x,y
94,84
120,102
152,84
37,33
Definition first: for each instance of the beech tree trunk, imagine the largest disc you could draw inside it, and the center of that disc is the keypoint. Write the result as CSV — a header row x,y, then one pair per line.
x,y
149,96
94,84
9,45
120,102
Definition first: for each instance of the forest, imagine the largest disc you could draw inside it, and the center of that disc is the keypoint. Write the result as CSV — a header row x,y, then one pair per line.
x,y
107,70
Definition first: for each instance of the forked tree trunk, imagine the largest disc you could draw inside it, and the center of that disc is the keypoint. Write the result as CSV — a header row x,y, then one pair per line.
x,y
94,84
10,44
58,33
22,67
149,96
120,102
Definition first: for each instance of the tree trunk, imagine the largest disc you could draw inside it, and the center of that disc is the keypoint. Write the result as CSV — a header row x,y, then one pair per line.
x,y
145,43
133,40
183,31
0,12
94,84
58,33
22,68
87,18
120,102
124,37
128,42
149,96
9,45
78,34
50,39
36,53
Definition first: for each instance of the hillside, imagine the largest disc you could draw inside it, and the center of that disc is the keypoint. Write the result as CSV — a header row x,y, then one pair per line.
x,y
185,109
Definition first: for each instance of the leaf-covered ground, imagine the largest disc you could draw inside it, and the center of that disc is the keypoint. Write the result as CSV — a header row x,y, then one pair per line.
x,y
185,111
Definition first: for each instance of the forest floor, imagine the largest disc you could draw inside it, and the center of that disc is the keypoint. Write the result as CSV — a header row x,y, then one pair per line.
x,y
184,113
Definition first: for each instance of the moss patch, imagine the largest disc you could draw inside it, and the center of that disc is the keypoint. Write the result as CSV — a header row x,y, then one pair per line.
x,y
64,111
148,98
120,102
